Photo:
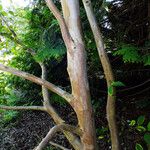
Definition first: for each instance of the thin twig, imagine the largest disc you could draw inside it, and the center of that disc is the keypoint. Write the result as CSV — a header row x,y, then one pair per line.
x,y
48,137
12,31
38,108
134,87
52,132
59,146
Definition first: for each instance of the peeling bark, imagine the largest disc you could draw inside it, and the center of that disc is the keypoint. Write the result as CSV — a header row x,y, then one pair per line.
x,y
76,58
77,70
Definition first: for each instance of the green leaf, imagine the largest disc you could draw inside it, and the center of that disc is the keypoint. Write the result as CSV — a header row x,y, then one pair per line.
x,y
11,12
141,128
129,52
148,126
140,120
4,13
100,137
147,138
138,147
1,8
117,84
110,90
132,123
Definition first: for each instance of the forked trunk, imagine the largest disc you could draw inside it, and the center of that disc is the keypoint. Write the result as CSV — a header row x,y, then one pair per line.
x,y
76,56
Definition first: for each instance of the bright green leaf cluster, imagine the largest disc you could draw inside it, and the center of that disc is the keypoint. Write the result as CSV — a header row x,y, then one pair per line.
x,y
132,53
129,53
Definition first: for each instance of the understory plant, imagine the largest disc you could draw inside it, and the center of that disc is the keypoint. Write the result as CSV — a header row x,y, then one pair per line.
x,y
141,126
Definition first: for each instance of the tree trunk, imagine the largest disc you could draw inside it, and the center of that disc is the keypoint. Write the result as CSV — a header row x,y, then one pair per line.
x,y
76,56
110,109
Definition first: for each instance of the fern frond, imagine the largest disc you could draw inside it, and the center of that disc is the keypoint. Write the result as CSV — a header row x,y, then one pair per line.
x,y
129,53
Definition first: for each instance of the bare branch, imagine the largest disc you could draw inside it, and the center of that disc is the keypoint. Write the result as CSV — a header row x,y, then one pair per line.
x,y
59,146
12,31
73,139
111,111
46,140
38,108
64,30
52,132
45,92
49,108
72,129
99,41
39,81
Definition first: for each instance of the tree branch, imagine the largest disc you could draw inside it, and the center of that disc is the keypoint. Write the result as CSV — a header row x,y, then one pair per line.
x,y
73,139
111,109
52,132
12,31
64,30
45,93
71,129
59,146
46,140
39,81
38,108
